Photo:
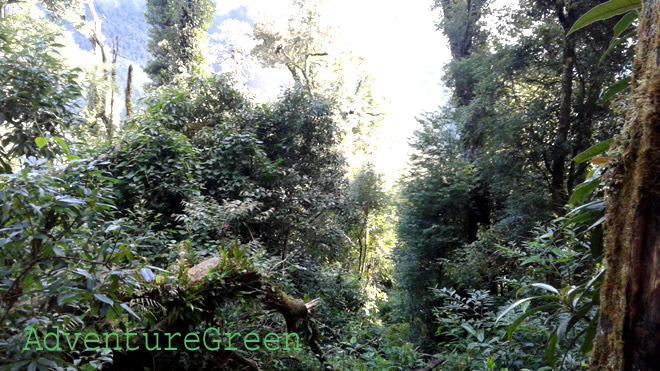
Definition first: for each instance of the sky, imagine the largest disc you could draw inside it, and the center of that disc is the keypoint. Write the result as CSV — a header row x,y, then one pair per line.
x,y
402,49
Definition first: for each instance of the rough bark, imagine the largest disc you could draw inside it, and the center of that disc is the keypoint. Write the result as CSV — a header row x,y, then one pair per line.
x,y
628,336
560,147
558,189
129,93
435,363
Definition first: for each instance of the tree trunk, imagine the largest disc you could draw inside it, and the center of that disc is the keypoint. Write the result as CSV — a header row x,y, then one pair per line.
x,y
366,243
628,336
129,93
558,189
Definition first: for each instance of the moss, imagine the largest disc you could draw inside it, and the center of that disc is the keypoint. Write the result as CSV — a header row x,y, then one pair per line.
x,y
634,185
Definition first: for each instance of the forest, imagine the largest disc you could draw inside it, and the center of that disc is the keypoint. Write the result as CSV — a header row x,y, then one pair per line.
x,y
167,205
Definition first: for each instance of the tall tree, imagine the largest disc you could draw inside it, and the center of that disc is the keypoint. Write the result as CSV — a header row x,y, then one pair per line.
x,y
628,336
177,37
304,45
368,198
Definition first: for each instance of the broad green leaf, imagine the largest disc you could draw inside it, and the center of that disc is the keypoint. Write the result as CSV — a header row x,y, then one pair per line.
x,y
468,328
596,205
583,217
624,23
528,313
617,87
597,223
83,273
112,227
104,299
47,362
544,286
593,151
147,274
41,141
62,144
582,190
589,335
550,350
567,324
604,11
70,200
129,310
613,44
513,306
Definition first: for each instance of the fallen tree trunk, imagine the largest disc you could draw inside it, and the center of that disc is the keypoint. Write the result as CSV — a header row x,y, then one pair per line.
x,y
435,363
210,294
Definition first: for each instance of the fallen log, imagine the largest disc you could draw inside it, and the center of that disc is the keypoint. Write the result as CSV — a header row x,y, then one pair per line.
x,y
435,363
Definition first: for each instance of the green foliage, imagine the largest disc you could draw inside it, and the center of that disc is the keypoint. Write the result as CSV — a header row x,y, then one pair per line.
x,y
472,339
157,165
367,196
617,87
39,92
65,257
177,37
568,253
193,104
604,11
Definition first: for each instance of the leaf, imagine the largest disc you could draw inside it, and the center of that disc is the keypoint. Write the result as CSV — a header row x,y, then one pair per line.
x,y
624,23
605,11
594,150
47,362
582,190
597,223
62,144
104,299
597,205
83,272
129,310
600,160
615,88
512,306
544,286
70,200
589,335
567,324
147,274
112,227
550,350
41,141
468,328
613,44
528,313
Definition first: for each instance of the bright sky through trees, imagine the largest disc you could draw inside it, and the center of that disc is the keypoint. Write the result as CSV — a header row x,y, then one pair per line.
x,y
402,48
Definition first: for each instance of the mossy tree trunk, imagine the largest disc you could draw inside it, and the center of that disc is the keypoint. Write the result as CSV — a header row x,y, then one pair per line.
x,y
628,336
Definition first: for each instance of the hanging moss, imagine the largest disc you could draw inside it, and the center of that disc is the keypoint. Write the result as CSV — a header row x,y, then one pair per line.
x,y
629,325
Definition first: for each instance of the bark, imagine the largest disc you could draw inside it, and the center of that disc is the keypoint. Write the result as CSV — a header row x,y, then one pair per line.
x,y
628,336
361,247
435,363
558,189
561,146
112,79
129,93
